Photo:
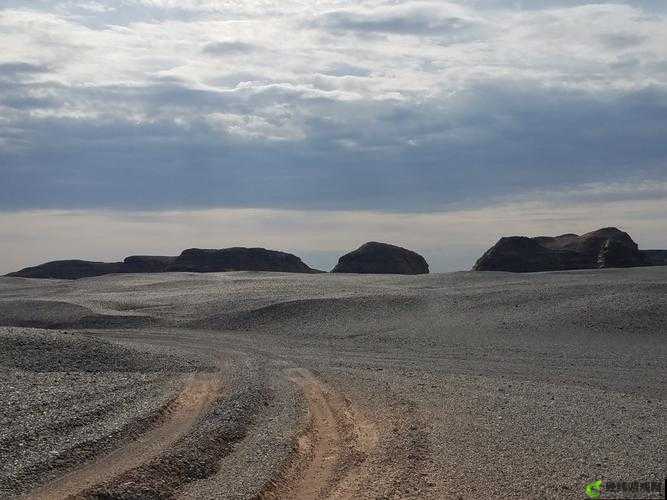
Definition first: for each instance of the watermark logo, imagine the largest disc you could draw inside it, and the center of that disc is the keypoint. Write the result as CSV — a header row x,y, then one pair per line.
x,y
625,489
593,489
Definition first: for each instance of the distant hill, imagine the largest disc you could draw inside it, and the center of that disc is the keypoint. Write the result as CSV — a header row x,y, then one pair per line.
x,y
381,258
606,247
655,257
192,260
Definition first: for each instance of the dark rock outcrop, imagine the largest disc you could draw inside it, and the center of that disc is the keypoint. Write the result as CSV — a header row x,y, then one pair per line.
x,y
68,269
607,247
147,263
238,259
381,258
655,257
192,260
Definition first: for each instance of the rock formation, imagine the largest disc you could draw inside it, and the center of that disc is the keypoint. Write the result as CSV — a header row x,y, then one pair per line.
x,y
607,247
68,269
192,260
238,259
381,258
655,257
146,263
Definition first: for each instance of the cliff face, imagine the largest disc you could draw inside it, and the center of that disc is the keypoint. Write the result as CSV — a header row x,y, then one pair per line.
x,y
607,247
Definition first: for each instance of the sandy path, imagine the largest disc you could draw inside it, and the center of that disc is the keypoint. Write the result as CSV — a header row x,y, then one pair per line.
x,y
330,459
199,391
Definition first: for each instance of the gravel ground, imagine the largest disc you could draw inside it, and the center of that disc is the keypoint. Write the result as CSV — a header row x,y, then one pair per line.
x,y
67,398
478,384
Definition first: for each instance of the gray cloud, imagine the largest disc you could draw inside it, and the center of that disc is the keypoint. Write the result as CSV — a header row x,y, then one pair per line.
x,y
622,40
25,102
415,24
17,71
411,19
649,5
13,68
346,70
528,101
229,48
496,139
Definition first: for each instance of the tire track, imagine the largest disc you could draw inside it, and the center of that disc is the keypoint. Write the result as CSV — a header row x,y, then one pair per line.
x,y
330,459
181,415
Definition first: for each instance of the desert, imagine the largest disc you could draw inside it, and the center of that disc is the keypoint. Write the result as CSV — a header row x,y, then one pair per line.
x,y
278,385
333,249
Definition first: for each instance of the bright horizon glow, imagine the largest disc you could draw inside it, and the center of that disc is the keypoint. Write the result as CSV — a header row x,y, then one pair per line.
x,y
319,238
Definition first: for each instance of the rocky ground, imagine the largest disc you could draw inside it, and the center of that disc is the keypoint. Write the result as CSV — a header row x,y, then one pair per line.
x,y
239,385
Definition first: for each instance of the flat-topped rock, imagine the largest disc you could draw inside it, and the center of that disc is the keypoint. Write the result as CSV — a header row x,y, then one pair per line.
x,y
68,270
381,258
238,259
607,247
147,263
192,260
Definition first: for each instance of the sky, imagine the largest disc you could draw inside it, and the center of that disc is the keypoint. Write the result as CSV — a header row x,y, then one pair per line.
x,y
149,126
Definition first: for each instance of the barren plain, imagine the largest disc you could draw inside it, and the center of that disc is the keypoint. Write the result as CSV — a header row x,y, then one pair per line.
x,y
270,385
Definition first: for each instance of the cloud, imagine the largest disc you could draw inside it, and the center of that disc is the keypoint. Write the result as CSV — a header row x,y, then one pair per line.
x,y
285,145
402,107
342,70
419,18
20,68
229,48
622,40
648,5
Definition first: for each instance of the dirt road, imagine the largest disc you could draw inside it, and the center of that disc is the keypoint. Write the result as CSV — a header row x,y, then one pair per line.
x,y
178,419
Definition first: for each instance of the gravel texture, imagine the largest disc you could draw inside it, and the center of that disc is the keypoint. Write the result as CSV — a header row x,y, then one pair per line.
x,y
476,384
67,398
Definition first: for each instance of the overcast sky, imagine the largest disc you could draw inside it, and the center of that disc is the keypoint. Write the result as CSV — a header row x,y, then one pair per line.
x,y
155,125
